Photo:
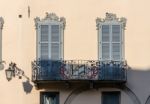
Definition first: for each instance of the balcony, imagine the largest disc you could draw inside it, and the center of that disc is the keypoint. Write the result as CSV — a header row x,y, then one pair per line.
x,y
78,70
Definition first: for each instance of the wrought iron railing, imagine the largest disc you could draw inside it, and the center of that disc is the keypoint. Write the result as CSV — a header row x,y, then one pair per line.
x,y
113,70
47,70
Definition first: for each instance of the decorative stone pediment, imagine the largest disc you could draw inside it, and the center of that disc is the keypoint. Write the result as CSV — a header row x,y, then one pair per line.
x,y
50,17
110,17
1,22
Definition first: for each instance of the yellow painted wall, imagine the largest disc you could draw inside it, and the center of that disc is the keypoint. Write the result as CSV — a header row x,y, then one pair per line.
x,y
80,17
80,38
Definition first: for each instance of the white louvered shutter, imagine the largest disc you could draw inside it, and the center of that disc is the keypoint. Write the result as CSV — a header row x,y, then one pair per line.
x,y
116,42
55,42
105,42
44,42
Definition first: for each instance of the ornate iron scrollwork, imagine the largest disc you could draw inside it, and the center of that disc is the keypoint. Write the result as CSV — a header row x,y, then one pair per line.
x,y
78,70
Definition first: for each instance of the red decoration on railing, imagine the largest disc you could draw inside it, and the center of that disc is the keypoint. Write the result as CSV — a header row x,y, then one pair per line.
x,y
76,70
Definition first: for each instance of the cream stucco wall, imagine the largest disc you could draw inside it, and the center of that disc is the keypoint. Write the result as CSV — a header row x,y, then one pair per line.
x,y
80,41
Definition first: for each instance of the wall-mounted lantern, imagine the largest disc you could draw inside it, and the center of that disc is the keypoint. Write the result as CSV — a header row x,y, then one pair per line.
x,y
9,73
13,71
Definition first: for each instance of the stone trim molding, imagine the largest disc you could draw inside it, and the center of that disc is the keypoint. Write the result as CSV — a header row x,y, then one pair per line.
x,y
110,17
52,17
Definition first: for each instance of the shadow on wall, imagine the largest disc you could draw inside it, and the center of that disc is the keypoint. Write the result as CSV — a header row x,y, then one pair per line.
x,y
27,86
139,81
139,75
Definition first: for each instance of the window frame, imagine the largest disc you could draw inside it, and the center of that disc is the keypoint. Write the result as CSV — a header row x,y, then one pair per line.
x,y
49,24
110,24
57,94
50,19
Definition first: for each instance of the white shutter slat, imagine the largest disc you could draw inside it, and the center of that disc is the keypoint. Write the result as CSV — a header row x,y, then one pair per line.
x,y
105,51
116,33
54,51
116,51
55,42
116,41
105,40
44,33
44,53
105,33
55,33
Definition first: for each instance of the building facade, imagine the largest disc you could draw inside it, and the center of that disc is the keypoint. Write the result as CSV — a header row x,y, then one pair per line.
x,y
74,52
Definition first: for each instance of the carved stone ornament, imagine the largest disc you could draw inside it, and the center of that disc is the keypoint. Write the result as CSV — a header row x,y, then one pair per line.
x,y
36,20
63,20
1,22
50,17
123,20
111,17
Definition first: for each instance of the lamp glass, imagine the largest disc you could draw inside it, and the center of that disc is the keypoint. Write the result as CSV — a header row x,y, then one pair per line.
x,y
9,74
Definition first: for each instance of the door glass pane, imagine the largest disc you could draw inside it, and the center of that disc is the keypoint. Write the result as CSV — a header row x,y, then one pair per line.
x,y
111,98
49,98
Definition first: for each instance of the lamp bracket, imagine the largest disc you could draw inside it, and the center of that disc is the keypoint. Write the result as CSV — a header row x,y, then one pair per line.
x,y
17,71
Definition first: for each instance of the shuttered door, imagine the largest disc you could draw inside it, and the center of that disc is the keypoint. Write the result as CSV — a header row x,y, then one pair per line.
x,y
44,42
111,97
55,42
116,42
105,38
